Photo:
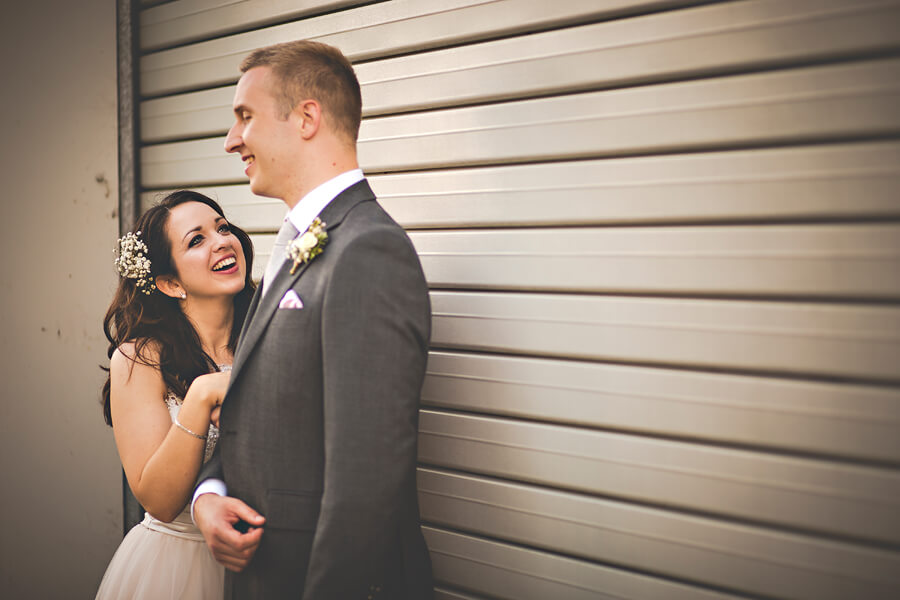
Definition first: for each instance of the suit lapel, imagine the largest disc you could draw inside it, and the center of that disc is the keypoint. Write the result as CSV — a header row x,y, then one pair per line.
x,y
251,311
263,307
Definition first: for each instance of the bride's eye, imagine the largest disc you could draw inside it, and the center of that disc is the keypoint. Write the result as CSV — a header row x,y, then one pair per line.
x,y
224,228
195,240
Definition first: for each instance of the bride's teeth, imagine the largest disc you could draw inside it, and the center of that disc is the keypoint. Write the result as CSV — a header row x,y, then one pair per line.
x,y
224,264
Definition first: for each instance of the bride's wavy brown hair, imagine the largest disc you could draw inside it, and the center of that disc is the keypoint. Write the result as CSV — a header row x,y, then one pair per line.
x,y
155,322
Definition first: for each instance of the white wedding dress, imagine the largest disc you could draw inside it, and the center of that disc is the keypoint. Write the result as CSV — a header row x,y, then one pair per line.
x,y
169,561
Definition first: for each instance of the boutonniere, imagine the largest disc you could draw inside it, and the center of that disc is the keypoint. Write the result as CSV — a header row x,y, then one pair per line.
x,y
306,247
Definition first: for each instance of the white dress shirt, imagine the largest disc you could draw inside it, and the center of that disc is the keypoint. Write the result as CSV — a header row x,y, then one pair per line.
x,y
313,203
301,216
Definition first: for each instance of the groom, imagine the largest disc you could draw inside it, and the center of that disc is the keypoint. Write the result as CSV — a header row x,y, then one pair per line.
x,y
312,491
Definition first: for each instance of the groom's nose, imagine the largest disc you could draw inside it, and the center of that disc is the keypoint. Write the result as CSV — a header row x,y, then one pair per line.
x,y
233,140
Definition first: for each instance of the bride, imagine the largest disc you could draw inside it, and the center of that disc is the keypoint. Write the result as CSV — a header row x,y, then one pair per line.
x,y
173,324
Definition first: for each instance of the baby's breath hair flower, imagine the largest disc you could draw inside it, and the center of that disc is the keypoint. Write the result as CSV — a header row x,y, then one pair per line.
x,y
133,262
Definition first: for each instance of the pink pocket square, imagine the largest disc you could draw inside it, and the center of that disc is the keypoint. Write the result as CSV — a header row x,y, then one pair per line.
x,y
291,300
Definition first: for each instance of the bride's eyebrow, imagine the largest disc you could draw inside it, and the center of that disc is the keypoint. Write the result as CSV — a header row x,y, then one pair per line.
x,y
199,227
190,231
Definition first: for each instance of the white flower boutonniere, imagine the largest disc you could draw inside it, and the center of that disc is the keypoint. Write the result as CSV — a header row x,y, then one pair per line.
x,y
306,247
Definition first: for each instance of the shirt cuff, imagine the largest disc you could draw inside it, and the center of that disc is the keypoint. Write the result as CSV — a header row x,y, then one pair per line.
x,y
209,486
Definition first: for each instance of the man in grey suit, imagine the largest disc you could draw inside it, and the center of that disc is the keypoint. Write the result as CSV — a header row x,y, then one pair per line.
x,y
311,492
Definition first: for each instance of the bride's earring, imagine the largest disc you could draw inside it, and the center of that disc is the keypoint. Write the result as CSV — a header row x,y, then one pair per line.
x,y
183,295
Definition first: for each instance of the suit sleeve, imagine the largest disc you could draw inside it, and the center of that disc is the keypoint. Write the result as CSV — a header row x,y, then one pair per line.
x,y
212,469
375,331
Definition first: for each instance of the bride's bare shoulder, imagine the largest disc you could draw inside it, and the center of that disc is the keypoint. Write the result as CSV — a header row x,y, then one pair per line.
x,y
140,354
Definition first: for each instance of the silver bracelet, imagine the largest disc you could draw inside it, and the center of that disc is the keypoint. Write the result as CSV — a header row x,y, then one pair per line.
x,y
186,430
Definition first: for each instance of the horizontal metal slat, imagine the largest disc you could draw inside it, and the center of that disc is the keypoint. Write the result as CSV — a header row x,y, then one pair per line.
x,y
252,213
192,115
861,503
818,103
835,341
839,181
508,572
190,20
182,164
815,182
703,40
807,261
442,594
372,31
805,339
841,420
714,553
262,245
855,261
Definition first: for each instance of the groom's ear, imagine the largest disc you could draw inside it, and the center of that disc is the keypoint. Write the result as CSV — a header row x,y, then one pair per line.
x,y
308,116
169,286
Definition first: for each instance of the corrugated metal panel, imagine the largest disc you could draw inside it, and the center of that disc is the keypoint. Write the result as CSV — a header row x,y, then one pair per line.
x,y
846,421
383,29
845,500
795,106
856,181
824,340
802,105
681,44
812,183
812,260
190,20
508,571
252,213
442,594
732,556
662,240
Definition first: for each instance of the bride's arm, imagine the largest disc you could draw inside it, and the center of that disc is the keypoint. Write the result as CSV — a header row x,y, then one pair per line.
x,y
160,460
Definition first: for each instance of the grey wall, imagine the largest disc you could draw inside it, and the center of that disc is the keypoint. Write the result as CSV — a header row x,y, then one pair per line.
x,y
60,496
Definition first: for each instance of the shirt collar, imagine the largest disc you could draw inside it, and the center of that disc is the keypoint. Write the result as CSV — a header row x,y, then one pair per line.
x,y
309,207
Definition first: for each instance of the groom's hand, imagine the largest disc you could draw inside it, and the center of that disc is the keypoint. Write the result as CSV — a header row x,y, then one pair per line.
x,y
216,517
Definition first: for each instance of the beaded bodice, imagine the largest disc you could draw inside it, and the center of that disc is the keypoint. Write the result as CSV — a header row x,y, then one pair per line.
x,y
174,403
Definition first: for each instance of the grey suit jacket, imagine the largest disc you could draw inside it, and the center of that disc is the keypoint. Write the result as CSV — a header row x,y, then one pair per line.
x,y
319,425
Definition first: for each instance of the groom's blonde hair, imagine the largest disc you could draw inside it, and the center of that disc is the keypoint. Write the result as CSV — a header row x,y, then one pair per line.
x,y
312,70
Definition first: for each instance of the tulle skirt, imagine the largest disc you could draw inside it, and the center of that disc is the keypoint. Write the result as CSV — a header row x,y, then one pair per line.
x,y
159,561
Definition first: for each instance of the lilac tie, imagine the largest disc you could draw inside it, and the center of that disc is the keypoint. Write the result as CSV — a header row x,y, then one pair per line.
x,y
287,233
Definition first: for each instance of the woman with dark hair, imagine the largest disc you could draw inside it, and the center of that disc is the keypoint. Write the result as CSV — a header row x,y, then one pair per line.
x,y
172,327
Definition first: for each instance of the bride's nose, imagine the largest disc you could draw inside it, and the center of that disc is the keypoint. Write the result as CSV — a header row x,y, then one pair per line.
x,y
220,241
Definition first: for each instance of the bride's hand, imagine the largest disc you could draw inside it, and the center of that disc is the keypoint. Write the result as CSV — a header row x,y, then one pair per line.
x,y
211,387
214,416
